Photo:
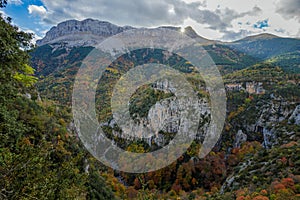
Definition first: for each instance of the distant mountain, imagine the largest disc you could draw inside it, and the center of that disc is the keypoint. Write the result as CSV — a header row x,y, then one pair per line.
x,y
61,51
90,32
232,56
262,36
266,46
81,33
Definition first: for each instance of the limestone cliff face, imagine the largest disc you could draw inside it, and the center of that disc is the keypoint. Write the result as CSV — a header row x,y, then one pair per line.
x,y
90,32
295,117
266,123
165,117
240,138
78,33
273,118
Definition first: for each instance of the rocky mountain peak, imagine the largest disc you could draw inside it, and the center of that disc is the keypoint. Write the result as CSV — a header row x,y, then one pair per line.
x,y
90,32
84,32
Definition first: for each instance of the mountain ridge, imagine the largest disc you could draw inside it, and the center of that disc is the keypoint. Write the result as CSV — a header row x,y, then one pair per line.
x,y
228,56
258,36
73,30
89,31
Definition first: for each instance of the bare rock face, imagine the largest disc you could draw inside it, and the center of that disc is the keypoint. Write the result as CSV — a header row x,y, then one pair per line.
x,y
266,125
166,116
90,32
240,138
81,33
295,117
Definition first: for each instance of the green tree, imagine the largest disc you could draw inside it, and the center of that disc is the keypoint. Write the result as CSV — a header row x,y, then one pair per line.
x,y
38,159
3,3
97,188
15,73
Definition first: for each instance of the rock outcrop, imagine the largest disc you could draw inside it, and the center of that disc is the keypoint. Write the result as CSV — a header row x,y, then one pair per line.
x,y
90,32
165,117
81,33
240,138
295,117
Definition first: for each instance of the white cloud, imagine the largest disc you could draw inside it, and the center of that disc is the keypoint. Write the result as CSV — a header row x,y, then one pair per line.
x,y
37,10
3,13
35,36
147,13
214,19
15,2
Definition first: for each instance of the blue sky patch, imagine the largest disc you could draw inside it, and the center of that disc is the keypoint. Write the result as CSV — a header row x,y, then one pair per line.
x,y
262,24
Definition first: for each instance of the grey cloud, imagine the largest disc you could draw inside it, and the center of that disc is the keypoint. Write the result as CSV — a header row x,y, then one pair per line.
x,y
228,15
233,36
134,12
280,30
142,12
289,9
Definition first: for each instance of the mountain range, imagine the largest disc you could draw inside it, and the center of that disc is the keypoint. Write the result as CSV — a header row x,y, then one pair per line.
x,y
260,140
264,47
90,32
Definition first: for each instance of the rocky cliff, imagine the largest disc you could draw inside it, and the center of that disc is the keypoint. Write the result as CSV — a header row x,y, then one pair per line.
x,y
81,33
90,32
164,118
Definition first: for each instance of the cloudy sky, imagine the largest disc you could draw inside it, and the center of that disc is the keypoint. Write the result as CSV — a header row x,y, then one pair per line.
x,y
225,20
